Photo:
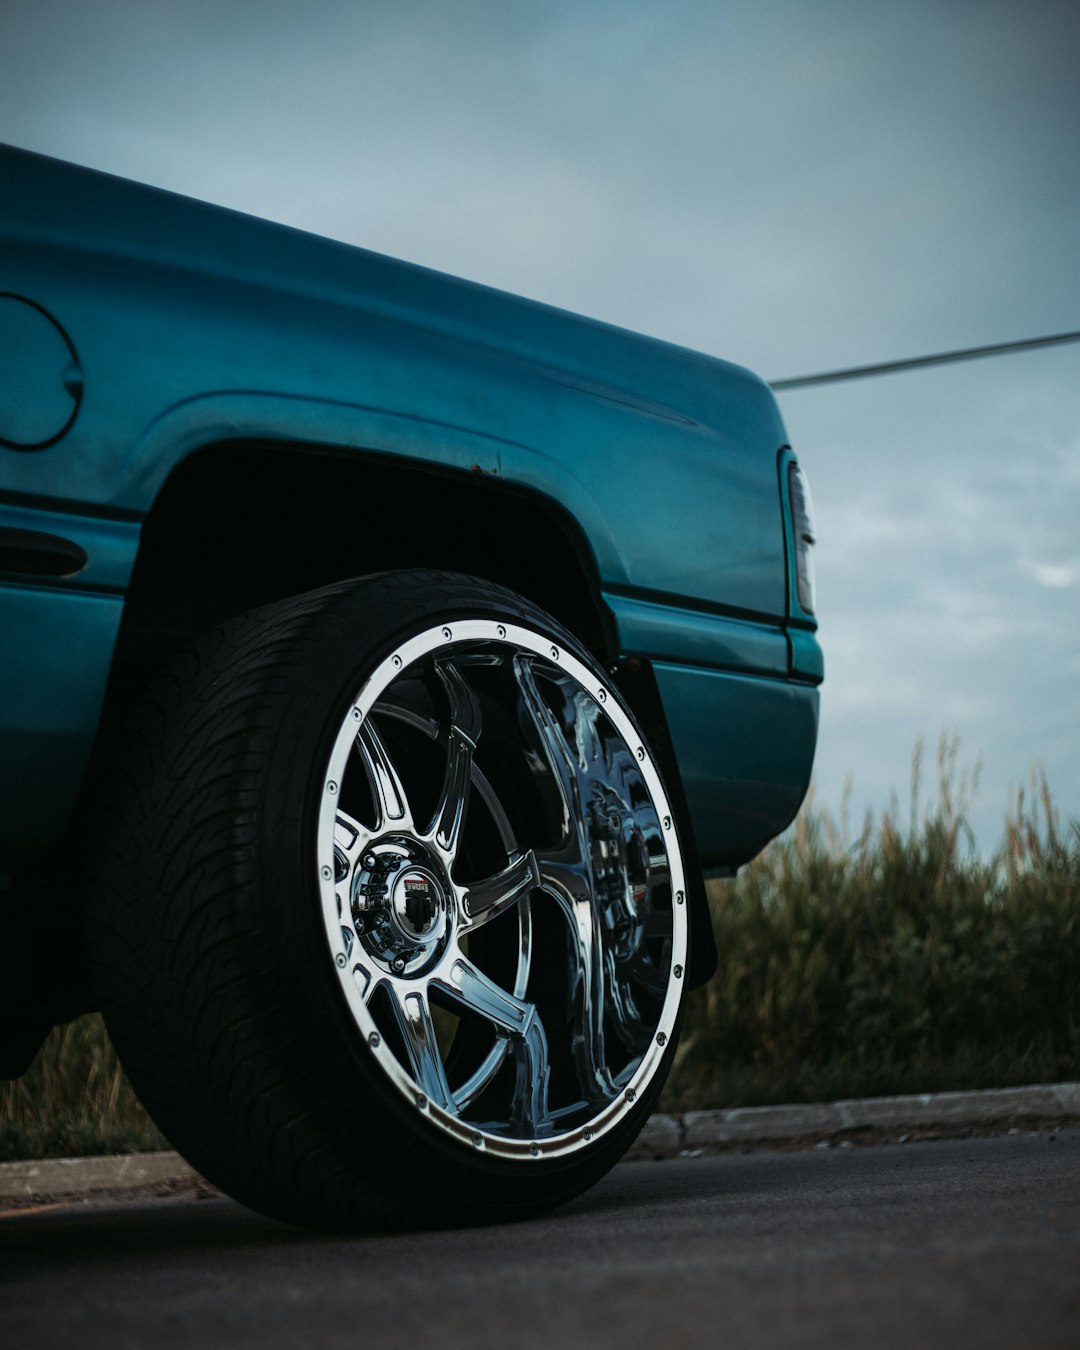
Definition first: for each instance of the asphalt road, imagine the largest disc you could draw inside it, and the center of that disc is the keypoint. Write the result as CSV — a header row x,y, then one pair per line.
x,y
952,1243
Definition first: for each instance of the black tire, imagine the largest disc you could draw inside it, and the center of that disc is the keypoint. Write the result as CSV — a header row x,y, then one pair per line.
x,y
269,929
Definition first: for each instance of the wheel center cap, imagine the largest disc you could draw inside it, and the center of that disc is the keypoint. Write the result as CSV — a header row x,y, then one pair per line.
x,y
418,902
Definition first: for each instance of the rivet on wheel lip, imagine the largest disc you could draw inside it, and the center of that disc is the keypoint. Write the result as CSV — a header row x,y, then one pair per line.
x,y
667,822
422,1102
677,972
326,873
679,897
478,1141
587,1135
631,1095
641,753
331,787
501,631
447,634
534,1149
342,960
397,662
554,653
357,715
374,1040
661,1038
601,694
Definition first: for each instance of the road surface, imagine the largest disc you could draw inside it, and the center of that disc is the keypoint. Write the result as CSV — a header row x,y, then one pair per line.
x,y
951,1243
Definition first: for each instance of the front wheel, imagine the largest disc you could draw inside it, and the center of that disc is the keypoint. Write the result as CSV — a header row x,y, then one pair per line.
x,y
390,922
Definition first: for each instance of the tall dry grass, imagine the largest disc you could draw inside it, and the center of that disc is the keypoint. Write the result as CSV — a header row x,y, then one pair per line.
x,y
901,961
74,1100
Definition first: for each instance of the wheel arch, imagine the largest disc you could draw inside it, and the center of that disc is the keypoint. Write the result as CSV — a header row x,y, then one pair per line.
x,y
243,523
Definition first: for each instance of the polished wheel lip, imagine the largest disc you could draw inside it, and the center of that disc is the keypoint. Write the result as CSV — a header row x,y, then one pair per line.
x,y
446,636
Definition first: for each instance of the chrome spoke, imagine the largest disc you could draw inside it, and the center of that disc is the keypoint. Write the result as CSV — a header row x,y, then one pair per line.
x,y
622,1008
531,1062
349,838
518,1019
486,899
464,983
364,979
391,803
413,1017
466,723
588,984
560,758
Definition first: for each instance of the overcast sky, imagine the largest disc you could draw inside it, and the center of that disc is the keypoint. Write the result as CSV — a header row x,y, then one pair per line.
x,y
794,186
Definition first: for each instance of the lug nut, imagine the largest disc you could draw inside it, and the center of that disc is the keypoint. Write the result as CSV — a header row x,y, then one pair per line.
x,y
398,964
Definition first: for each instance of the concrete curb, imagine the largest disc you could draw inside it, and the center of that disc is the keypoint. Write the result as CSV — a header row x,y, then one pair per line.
x,y
55,1177
667,1136
663,1136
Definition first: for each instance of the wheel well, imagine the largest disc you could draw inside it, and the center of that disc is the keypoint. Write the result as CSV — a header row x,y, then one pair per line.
x,y
240,525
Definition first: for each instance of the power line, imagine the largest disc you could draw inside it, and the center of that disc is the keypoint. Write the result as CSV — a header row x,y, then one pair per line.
x,y
912,362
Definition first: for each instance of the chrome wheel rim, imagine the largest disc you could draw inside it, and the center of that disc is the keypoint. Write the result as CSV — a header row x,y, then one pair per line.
x,y
502,889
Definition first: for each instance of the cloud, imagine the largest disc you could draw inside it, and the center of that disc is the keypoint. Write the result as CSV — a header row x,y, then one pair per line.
x,y
1057,576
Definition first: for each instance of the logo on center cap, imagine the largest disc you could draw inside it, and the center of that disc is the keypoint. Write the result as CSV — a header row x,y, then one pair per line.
x,y
421,901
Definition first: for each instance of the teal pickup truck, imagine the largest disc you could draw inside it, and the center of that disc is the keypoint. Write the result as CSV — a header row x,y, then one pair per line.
x,y
385,662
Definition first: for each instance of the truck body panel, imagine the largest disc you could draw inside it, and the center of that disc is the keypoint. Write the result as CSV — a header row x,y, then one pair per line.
x,y
194,327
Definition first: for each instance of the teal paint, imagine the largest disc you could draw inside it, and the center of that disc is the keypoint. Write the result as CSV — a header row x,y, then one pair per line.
x,y
673,633
745,748
57,648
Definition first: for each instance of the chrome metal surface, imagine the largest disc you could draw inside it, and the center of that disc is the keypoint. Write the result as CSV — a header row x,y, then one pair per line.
x,y
498,873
